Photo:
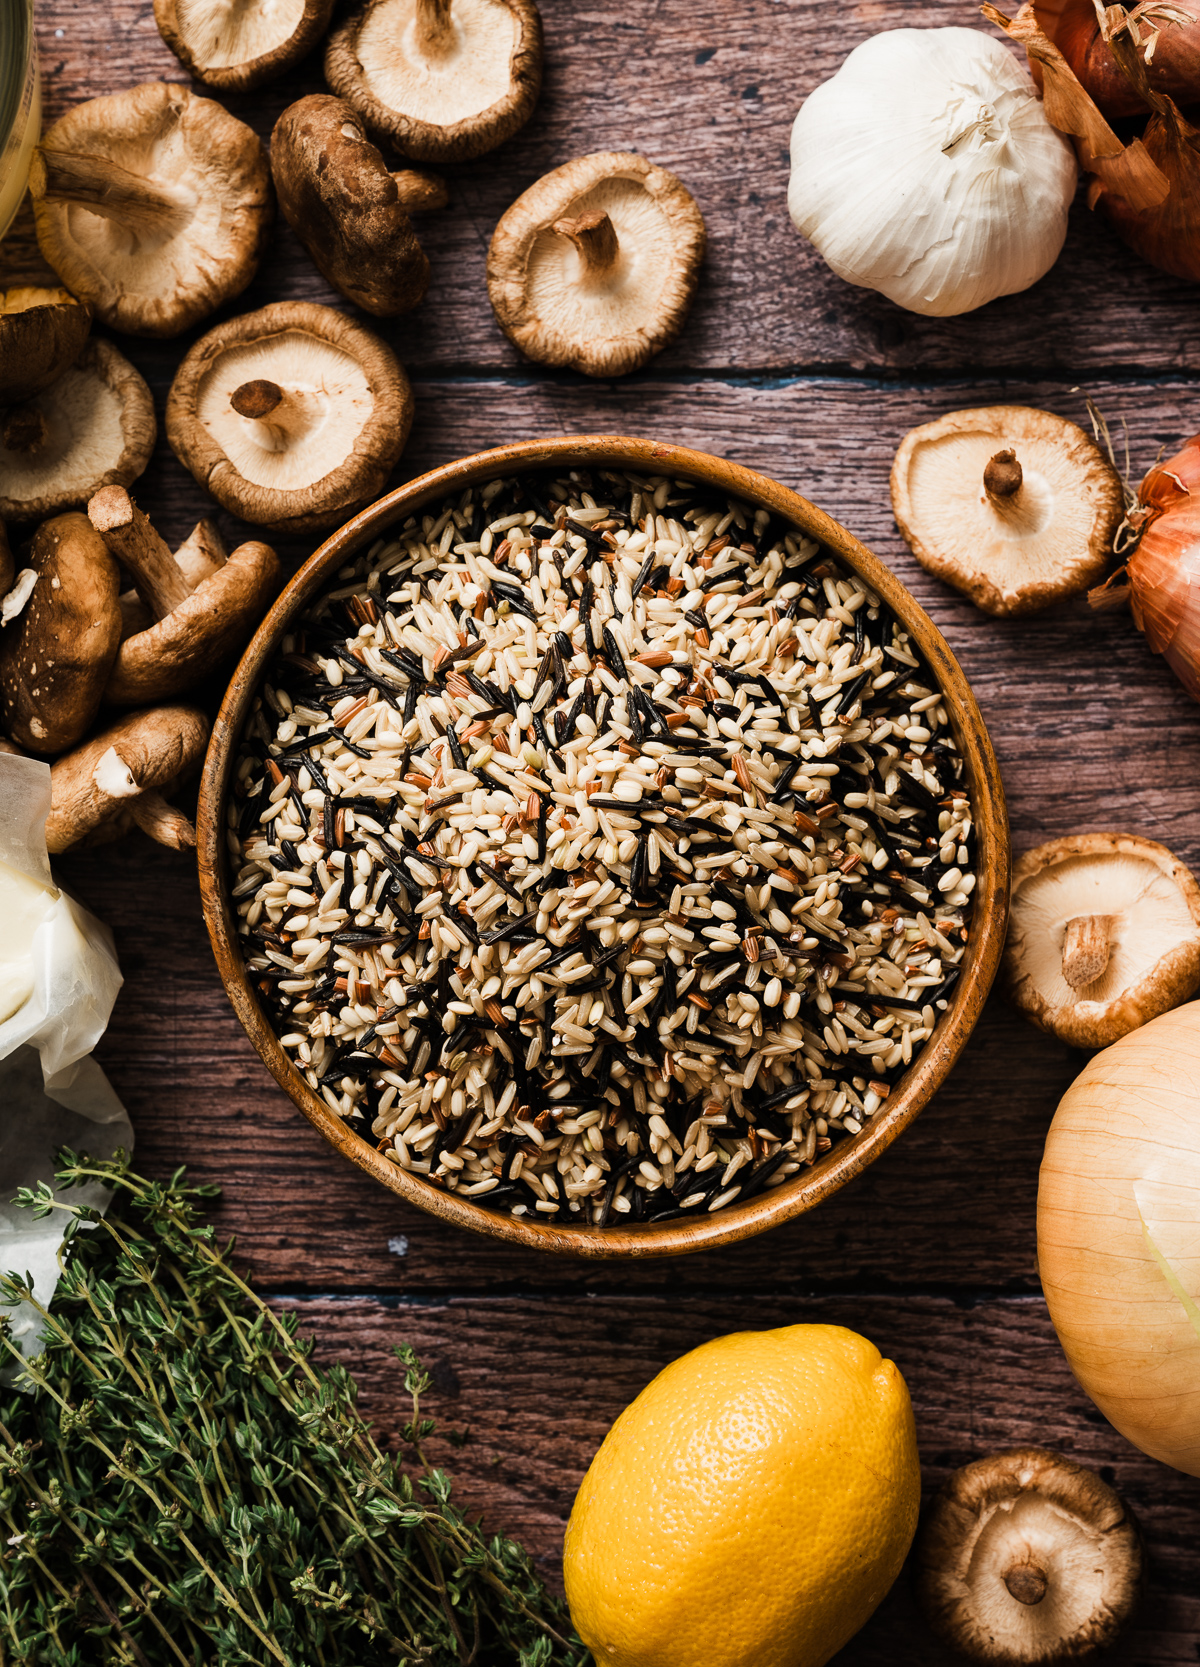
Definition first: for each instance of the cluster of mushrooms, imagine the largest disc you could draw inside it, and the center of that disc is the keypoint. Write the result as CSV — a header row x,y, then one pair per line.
x,y
153,206
593,267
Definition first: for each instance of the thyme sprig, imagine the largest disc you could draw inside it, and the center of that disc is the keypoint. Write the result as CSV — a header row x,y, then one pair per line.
x,y
185,1486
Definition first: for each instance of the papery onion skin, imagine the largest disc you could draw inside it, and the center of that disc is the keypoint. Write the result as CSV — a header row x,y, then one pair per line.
x,y
1164,570
1131,1120
1174,69
1168,236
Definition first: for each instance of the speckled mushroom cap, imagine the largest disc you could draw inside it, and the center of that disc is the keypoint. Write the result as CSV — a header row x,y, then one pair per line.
x,y
1016,508
117,779
56,655
8,567
153,204
443,80
42,331
1103,936
93,427
595,266
336,192
236,46
336,413
1025,1557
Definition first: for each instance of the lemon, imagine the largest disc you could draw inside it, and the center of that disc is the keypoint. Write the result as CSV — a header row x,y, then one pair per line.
x,y
750,1508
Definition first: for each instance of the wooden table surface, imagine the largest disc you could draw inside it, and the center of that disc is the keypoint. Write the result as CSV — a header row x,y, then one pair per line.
x,y
932,1253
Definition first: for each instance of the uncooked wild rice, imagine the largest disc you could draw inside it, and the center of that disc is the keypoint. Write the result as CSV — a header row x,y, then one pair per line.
x,y
603,846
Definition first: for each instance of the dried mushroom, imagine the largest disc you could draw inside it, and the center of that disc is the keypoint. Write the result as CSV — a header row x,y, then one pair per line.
x,y
200,610
55,658
237,46
443,80
92,427
595,266
1014,507
349,211
1103,935
152,204
292,417
8,567
1025,1557
42,332
119,779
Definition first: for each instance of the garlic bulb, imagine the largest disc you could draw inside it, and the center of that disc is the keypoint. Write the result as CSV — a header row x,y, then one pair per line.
x,y
926,169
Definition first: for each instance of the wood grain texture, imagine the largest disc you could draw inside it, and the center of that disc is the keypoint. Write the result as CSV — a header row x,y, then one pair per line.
x,y
784,368
709,90
981,1378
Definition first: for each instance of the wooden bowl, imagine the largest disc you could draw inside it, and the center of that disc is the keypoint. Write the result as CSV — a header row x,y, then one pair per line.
x,y
913,1092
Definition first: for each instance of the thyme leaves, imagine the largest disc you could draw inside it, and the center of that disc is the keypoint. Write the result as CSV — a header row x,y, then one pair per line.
x,y
185,1486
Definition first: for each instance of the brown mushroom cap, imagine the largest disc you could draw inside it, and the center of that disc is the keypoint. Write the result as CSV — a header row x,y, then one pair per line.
x,y
93,427
292,417
119,778
337,194
230,44
8,567
1026,1557
1103,936
152,204
196,622
41,332
595,266
56,655
1014,507
443,80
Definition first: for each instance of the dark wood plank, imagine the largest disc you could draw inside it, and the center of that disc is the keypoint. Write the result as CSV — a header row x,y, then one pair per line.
x,y
1091,730
981,1378
709,90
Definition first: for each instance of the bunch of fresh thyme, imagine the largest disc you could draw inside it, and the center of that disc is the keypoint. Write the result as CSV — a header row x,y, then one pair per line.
x,y
184,1486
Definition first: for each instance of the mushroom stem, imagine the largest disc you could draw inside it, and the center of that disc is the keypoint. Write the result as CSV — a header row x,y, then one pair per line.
x,y
595,237
1003,476
1086,949
129,537
283,415
420,193
24,429
256,399
1027,1583
164,824
105,187
435,29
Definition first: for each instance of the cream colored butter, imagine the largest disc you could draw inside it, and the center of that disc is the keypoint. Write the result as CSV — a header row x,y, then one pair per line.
x,y
24,905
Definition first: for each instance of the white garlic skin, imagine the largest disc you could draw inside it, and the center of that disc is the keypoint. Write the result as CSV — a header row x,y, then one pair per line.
x,y
926,169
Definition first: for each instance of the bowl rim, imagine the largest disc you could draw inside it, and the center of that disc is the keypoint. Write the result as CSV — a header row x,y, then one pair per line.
x,y
935,1059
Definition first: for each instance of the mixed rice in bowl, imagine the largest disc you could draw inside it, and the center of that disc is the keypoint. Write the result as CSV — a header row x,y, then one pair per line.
x,y
601,848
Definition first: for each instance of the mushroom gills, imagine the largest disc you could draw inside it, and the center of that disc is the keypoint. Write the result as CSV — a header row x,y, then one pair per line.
x,y
73,431
1034,1576
1111,918
439,61
608,261
1015,507
324,402
224,33
149,209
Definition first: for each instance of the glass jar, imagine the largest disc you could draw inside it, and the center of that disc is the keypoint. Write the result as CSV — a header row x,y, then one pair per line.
x,y
20,104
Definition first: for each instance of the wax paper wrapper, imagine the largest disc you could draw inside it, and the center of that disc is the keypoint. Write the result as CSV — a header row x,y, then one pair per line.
x,y
52,1093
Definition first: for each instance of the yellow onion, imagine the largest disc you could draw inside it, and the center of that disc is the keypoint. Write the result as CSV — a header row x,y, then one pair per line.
x,y
1164,570
1075,28
1119,1234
